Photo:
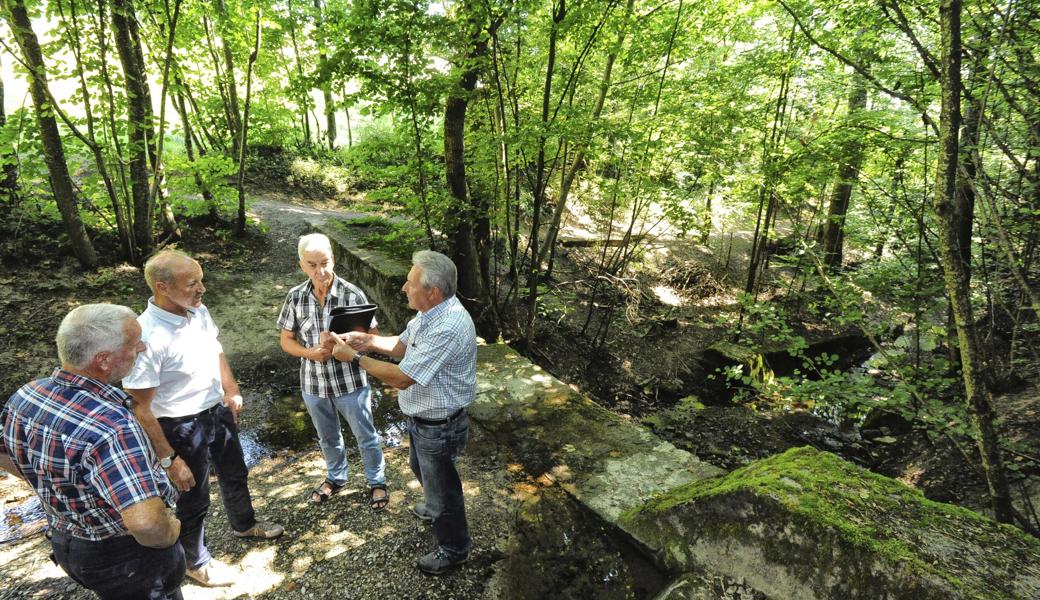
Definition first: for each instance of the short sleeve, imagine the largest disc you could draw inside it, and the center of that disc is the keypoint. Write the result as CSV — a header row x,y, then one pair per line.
x,y
147,369
287,317
118,468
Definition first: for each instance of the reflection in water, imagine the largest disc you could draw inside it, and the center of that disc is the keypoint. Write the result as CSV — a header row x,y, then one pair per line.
x,y
22,520
574,554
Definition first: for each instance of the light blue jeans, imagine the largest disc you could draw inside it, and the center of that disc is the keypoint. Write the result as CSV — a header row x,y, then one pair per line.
x,y
356,408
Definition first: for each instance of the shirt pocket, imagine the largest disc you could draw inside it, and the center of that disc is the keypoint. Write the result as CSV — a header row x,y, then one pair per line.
x,y
308,333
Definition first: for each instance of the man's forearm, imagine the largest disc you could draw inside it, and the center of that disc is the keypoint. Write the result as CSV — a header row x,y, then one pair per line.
x,y
227,378
388,345
152,524
154,431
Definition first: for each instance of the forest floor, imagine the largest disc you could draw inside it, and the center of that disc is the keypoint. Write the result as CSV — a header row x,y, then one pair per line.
x,y
639,372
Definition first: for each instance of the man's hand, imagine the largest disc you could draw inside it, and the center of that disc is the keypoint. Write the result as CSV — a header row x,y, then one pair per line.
x,y
343,351
319,353
234,403
180,475
359,340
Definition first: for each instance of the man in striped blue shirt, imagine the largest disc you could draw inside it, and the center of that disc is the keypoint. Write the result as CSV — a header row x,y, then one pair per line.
x,y
437,379
74,439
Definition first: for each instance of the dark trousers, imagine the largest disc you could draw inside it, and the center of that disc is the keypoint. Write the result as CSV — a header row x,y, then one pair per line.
x,y
432,452
199,439
120,568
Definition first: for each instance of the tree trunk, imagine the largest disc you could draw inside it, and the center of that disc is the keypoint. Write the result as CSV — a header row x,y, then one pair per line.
x,y
240,225
472,229
137,126
326,86
234,119
53,151
955,273
848,172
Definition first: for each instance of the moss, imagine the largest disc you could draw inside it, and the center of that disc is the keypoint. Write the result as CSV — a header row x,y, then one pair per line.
x,y
828,498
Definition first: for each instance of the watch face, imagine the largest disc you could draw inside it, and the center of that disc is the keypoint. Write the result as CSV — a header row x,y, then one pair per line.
x,y
165,462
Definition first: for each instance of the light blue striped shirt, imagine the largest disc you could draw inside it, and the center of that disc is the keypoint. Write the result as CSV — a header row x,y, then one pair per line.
x,y
441,357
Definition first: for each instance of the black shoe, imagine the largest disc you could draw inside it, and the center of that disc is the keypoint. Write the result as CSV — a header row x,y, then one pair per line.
x,y
438,562
419,510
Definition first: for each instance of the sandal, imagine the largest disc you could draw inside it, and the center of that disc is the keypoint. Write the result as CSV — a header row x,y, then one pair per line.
x,y
379,503
320,495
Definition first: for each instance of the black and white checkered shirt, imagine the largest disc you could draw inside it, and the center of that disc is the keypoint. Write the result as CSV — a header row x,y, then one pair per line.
x,y
302,316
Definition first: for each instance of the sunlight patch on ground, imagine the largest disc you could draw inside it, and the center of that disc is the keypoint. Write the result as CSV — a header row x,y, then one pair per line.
x,y
343,542
667,296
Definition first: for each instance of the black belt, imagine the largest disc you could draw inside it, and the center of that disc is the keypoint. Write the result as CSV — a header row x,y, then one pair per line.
x,y
443,421
208,411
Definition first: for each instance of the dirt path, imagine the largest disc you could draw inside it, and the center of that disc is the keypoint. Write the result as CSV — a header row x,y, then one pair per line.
x,y
338,550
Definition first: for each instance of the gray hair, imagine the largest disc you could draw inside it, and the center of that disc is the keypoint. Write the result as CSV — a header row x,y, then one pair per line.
x,y
437,271
160,267
312,242
89,330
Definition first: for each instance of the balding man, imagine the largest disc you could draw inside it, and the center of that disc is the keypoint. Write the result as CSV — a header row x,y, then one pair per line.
x,y
188,401
73,438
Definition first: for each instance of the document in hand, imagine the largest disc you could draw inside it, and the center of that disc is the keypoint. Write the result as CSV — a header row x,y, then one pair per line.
x,y
352,318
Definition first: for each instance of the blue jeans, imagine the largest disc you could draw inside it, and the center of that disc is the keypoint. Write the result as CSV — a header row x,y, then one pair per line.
x,y
431,454
120,568
199,439
356,408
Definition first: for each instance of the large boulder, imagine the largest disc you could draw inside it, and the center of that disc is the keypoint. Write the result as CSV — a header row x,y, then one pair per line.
x,y
806,524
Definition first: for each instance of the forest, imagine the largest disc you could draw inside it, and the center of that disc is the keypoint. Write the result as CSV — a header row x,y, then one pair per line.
x,y
756,175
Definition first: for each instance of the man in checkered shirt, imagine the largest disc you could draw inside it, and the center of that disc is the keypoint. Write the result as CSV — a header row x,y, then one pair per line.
x,y
437,379
329,387
74,439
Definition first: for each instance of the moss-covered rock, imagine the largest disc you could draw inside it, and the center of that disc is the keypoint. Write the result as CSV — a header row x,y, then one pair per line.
x,y
805,524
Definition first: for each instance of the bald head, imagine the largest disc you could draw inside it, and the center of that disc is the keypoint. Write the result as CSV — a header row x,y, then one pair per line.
x,y
164,267
175,280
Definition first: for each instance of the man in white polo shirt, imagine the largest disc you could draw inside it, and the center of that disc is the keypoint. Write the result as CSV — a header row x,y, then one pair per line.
x,y
188,401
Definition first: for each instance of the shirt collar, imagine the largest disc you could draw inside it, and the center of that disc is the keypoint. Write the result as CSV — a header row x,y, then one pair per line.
x,y
165,315
93,386
441,308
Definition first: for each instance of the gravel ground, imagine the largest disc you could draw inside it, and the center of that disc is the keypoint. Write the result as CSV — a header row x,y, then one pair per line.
x,y
340,549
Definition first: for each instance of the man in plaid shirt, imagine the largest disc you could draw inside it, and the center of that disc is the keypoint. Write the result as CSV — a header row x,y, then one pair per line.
x,y
437,379
74,439
329,387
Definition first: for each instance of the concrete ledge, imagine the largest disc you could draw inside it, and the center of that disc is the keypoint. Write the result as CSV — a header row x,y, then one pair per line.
x,y
805,524
607,463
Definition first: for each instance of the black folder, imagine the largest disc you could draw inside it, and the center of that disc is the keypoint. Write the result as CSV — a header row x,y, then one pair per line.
x,y
357,317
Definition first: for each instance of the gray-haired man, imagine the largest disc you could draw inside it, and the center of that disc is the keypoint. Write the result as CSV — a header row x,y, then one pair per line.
x,y
74,439
437,379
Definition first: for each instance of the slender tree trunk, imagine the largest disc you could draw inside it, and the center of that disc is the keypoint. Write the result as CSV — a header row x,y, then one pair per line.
x,y
53,150
540,176
234,118
240,227
579,154
304,99
848,172
159,189
326,87
955,274
137,126
122,224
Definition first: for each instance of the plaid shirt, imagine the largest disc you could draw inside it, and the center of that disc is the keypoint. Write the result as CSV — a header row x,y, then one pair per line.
x,y
302,315
78,445
441,357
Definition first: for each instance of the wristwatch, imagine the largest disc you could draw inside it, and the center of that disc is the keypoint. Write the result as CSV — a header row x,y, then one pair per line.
x,y
356,361
166,462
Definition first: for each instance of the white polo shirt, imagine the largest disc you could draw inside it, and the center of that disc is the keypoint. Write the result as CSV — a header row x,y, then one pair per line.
x,y
181,359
